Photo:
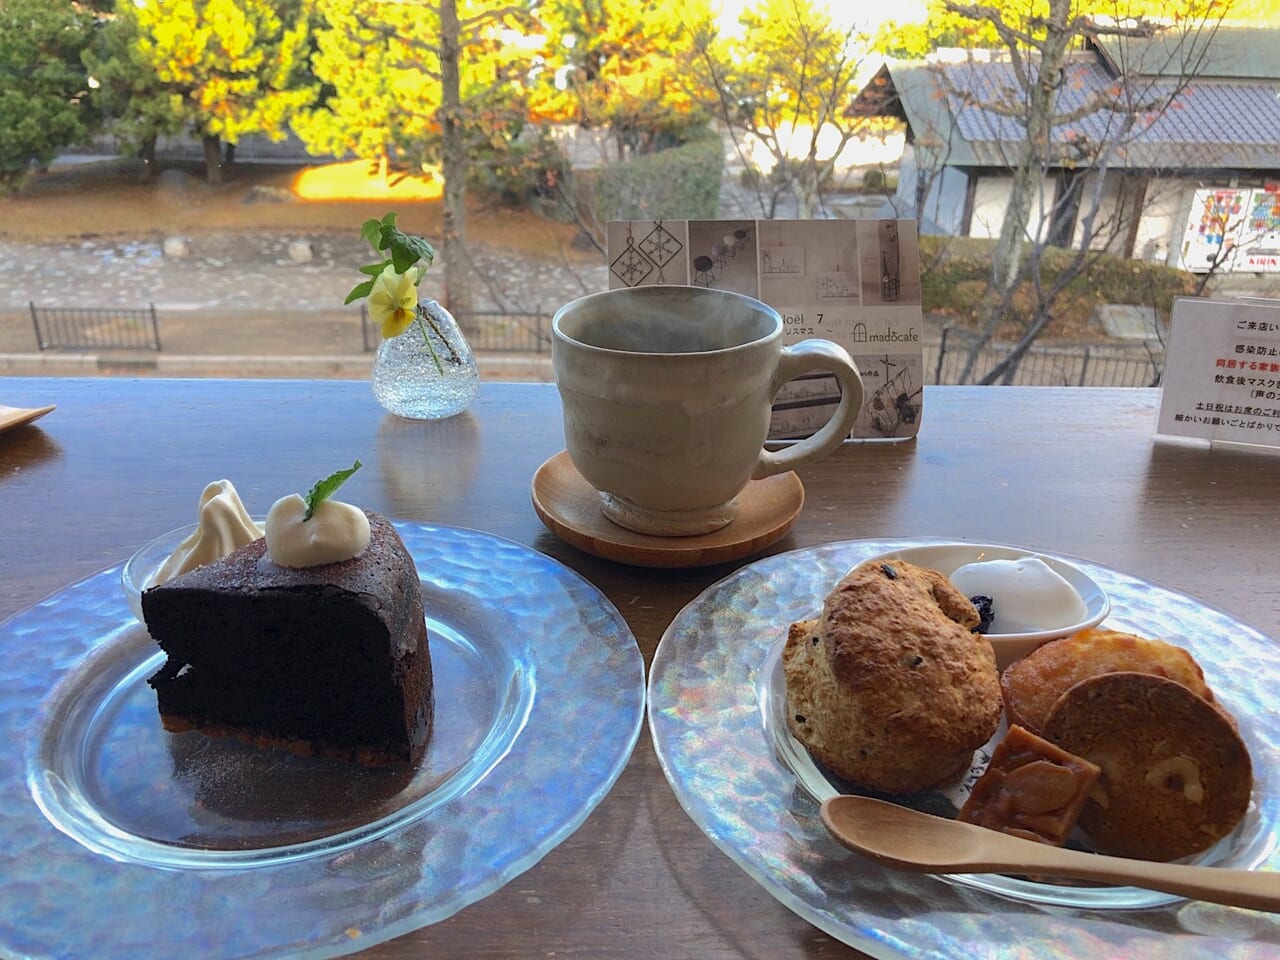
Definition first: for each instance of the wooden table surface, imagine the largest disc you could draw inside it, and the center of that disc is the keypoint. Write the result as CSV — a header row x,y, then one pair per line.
x,y
1074,471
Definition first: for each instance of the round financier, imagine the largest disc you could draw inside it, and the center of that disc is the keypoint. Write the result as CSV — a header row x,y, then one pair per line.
x,y
1032,685
1176,777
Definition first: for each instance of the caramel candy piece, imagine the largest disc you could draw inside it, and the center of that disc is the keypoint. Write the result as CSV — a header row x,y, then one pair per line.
x,y
1031,789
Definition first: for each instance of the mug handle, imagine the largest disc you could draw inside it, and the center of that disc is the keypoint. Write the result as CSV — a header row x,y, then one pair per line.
x,y
799,358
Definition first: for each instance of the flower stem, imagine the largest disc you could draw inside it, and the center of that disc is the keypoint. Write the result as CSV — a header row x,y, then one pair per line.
x,y
427,340
453,353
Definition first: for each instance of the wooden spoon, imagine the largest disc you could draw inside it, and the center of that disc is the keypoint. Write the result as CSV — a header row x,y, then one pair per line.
x,y
904,838
16,416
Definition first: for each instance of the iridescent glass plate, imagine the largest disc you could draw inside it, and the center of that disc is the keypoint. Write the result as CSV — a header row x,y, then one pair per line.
x,y
119,839
716,713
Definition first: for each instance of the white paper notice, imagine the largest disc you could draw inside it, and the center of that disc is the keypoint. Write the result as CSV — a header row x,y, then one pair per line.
x,y
1222,372
856,282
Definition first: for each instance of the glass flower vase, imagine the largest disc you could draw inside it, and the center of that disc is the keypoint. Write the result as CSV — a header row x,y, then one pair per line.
x,y
429,371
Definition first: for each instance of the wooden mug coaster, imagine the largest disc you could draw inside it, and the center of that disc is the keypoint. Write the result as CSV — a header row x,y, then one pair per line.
x,y
570,508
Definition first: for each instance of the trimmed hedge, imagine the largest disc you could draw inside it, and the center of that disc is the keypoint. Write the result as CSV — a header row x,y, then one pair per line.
x,y
681,183
955,271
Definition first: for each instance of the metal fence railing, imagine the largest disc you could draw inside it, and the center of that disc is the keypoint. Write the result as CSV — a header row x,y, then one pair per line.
x,y
1082,365
1071,365
96,328
507,332
486,331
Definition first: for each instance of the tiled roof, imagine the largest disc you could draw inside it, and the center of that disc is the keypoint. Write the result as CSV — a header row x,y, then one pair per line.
x,y
1211,123
1231,51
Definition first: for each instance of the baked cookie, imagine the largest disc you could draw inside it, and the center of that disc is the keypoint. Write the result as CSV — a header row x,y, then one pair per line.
x,y
1176,777
890,688
1033,684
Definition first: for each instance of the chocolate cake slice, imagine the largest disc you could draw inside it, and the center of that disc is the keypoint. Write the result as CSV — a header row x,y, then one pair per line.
x,y
331,658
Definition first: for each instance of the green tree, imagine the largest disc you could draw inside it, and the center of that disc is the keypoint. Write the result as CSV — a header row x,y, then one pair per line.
x,y
230,67
127,91
784,84
43,85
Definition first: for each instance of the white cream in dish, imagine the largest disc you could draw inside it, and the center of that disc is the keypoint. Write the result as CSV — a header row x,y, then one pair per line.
x,y
223,526
1027,594
335,531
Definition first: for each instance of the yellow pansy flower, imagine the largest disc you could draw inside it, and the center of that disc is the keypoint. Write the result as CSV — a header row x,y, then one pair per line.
x,y
393,301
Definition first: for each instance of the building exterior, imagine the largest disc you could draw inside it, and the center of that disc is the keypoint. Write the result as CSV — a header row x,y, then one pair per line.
x,y
1195,185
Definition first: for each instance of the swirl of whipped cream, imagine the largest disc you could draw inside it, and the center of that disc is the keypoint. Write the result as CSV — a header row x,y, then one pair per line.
x,y
336,531
223,526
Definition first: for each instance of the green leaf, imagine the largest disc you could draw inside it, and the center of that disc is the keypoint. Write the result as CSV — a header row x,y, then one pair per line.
x,y
358,291
371,230
327,488
405,251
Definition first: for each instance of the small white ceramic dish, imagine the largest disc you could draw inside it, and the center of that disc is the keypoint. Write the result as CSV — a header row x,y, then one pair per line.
x,y
139,568
948,557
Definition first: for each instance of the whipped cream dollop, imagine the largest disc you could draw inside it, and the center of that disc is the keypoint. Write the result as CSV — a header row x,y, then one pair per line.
x,y
1027,594
223,525
335,531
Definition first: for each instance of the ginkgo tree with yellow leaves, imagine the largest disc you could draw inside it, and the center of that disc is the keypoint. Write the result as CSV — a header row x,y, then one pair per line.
x,y
377,98
382,66
227,68
621,66
426,84
783,83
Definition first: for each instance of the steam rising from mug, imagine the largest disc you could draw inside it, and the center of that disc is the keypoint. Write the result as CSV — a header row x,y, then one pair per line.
x,y
654,328
667,394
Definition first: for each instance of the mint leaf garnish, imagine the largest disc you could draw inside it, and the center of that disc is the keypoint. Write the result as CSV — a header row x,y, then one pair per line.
x,y
327,488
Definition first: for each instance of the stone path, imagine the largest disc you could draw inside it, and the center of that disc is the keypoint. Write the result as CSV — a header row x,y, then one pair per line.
x,y
256,272
244,295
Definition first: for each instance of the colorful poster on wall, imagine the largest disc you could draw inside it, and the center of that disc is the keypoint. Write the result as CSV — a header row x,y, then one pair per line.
x,y
1232,229
1258,250
856,282
1215,218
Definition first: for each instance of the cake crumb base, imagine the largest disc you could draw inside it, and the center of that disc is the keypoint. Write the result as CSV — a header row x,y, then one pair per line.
x,y
362,755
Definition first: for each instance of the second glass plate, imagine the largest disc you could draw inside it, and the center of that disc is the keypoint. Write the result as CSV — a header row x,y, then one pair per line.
x,y
716,698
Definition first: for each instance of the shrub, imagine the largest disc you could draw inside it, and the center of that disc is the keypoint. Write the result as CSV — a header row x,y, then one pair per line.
x,y
681,183
524,172
954,273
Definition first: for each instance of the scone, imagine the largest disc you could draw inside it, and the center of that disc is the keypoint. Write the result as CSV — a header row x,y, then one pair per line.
x,y
1033,684
890,688
1176,777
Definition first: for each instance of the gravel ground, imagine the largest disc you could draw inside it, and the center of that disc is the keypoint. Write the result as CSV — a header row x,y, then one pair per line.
x,y
211,293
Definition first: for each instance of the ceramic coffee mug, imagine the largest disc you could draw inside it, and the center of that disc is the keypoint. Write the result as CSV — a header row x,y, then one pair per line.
x,y
667,395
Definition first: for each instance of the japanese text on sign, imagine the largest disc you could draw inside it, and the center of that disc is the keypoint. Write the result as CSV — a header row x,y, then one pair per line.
x,y
1222,372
